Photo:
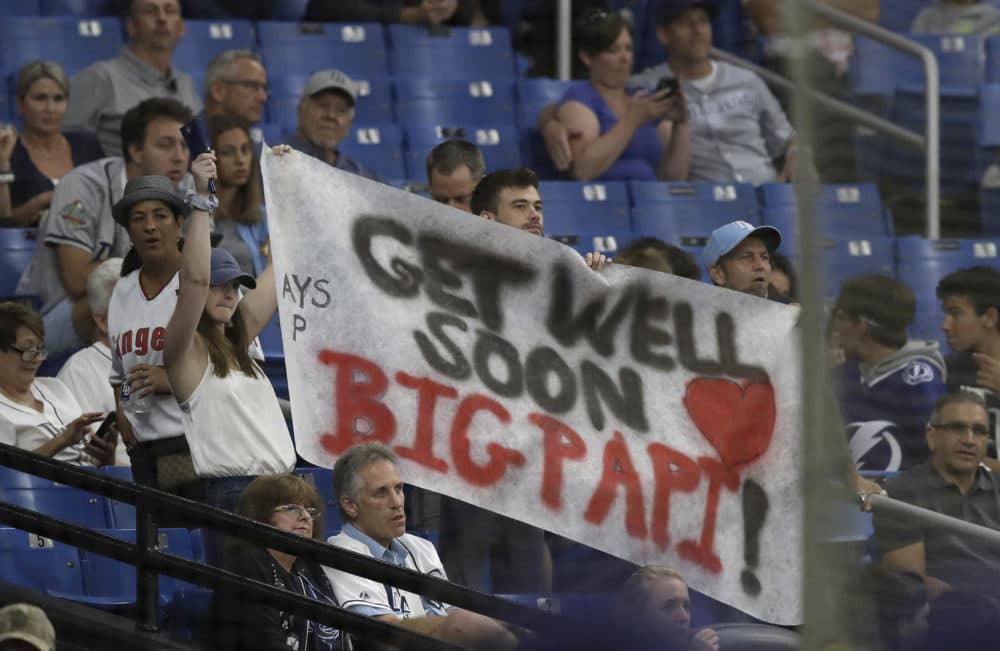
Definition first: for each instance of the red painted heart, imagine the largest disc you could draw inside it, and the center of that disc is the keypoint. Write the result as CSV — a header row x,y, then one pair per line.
x,y
737,419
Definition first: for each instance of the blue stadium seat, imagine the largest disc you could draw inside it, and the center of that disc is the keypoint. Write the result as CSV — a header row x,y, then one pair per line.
x,y
20,8
535,94
499,143
989,115
989,210
204,39
845,211
120,515
322,479
670,222
699,207
82,8
5,105
898,15
450,63
277,33
39,563
374,102
607,241
853,257
74,43
960,60
585,207
993,59
423,100
45,496
303,48
380,147
871,71
17,246
492,39
290,10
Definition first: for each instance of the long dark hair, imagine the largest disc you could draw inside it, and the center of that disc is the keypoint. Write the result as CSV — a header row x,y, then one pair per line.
x,y
246,203
229,349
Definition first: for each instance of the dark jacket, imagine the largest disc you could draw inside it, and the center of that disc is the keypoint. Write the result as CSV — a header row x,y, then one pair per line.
x,y
375,11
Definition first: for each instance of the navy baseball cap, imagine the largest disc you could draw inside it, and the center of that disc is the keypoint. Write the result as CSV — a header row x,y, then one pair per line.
x,y
726,238
671,10
225,269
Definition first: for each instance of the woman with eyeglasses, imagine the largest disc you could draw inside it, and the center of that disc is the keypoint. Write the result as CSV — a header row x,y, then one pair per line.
x,y
619,133
40,413
240,217
290,504
43,153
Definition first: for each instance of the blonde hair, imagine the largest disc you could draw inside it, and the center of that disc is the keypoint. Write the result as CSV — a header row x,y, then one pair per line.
x,y
635,591
36,70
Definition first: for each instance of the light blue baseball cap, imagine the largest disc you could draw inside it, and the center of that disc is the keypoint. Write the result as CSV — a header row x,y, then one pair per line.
x,y
727,237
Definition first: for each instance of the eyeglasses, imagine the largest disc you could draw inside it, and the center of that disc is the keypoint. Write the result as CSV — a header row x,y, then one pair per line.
x,y
31,354
251,85
958,427
297,510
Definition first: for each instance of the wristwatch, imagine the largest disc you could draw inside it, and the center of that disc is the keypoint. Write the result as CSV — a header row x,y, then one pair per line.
x,y
6,178
198,202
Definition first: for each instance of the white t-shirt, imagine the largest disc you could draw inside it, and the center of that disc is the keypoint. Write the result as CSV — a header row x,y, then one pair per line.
x,y
85,375
371,598
235,428
28,428
137,326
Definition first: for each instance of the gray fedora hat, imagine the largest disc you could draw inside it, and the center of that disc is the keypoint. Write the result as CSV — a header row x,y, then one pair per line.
x,y
145,188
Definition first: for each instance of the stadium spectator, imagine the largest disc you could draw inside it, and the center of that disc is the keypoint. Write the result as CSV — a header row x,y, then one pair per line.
x,y
219,388
970,300
101,93
413,12
954,483
8,138
85,373
240,217
784,284
738,256
657,596
888,385
737,127
454,167
290,504
26,627
325,116
618,133
44,153
902,607
236,84
957,17
369,492
40,413
655,254
80,231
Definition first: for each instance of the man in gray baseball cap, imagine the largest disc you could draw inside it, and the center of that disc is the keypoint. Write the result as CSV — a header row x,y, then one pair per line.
x,y
325,116
738,256
24,626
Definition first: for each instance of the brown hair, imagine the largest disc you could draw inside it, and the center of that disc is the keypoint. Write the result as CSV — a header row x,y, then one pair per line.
x,y
14,316
635,591
32,72
228,349
248,199
260,498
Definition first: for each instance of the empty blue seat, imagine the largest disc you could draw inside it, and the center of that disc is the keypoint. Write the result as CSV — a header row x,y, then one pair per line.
x,y
989,115
585,207
39,563
960,58
535,94
276,33
454,101
17,246
120,515
20,8
500,144
322,479
290,10
922,263
451,63
359,61
380,147
74,43
374,101
607,241
492,39
204,39
844,211
898,15
71,7
871,71
854,257
699,207
45,496
989,210
993,59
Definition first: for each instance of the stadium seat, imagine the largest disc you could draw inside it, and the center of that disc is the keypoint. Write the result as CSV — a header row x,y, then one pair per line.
x,y
535,94
606,241
277,33
499,143
39,563
74,43
853,257
491,39
45,496
898,15
457,53
989,210
673,210
20,8
120,515
290,10
322,479
204,39
845,211
993,59
960,58
423,100
17,246
585,207
871,73
380,147
374,102
303,48
83,8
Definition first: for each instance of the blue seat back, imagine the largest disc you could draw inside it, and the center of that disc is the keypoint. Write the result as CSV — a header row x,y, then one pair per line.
x,y
39,563
106,578
73,42
607,241
535,94
20,8
454,101
17,247
993,59
204,39
45,496
379,146
585,207
499,142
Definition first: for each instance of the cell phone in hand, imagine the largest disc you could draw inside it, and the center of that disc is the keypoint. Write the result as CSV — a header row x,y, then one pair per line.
x,y
196,136
105,431
669,84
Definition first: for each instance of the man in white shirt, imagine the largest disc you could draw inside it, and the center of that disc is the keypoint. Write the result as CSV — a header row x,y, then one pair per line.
x,y
369,492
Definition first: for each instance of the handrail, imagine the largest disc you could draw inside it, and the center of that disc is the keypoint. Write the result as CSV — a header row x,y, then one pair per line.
x,y
267,536
892,506
932,89
564,37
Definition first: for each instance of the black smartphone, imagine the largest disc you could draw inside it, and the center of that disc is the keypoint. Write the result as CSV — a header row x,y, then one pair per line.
x,y
669,84
104,431
196,136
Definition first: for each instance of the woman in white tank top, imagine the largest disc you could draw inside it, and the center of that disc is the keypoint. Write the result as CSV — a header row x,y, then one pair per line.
x,y
232,420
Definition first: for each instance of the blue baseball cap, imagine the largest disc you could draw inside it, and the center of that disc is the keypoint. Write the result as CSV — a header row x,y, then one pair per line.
x,y
726,238
671,10
225,269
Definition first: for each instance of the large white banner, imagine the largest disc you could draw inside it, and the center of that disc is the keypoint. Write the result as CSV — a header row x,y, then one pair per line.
x,y
652,417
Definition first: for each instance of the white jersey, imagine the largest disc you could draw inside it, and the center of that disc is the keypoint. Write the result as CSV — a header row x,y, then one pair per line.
x,y
28,428
84,373
372,598
235,428
137,326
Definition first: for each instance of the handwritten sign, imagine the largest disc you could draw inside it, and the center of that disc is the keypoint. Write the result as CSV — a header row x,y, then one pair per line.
x,y
646,415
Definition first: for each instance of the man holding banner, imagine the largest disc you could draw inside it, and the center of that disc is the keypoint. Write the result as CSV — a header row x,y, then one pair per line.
x,y
738,256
